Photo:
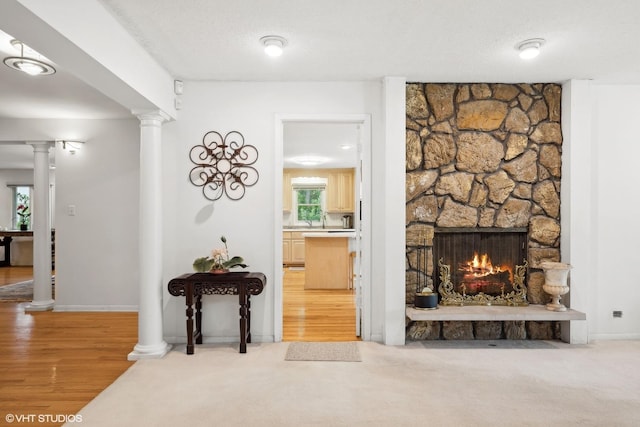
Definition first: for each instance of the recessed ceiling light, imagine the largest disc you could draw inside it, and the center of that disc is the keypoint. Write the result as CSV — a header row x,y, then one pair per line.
x,y
530,48
273,45
346,146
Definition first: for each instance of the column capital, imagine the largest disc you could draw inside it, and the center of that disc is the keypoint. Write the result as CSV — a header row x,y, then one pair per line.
x,y
40,146
151,117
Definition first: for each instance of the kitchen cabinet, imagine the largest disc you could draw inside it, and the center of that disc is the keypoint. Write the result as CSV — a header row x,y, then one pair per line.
x,y
293,251
327,265
286,248
297,251
340,192
286,191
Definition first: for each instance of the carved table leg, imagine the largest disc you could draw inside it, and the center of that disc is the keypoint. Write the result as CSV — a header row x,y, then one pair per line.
x,y
6,242
189,301
198,319
248,318
243,320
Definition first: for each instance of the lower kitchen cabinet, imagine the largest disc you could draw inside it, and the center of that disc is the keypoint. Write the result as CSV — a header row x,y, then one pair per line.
x,y
292,248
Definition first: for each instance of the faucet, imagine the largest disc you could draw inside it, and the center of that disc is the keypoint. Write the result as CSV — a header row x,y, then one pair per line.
x,y
310,222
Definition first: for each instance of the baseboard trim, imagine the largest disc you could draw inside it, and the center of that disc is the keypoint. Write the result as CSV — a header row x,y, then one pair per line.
x,y
377,338
115,308
613,337
221,340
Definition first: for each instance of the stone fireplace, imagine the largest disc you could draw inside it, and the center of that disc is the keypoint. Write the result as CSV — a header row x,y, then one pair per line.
x,y
483,156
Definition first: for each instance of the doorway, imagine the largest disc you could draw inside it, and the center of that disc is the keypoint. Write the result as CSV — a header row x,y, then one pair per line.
x,y
357,294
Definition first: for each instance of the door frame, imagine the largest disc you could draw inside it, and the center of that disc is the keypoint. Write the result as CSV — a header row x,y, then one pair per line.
x,y
364,121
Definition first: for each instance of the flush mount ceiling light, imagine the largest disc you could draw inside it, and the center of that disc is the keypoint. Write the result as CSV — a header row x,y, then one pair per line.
x,y
529,49
309,160
29,65
273,45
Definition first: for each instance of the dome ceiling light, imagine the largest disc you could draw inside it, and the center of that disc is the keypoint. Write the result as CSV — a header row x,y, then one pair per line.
x,y
29,65
530,48
273,45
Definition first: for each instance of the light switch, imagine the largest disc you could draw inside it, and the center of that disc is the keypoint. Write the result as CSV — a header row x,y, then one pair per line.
x,y
71,210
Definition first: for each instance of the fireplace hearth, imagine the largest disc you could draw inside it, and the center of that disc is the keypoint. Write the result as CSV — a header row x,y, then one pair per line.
x,y
481,266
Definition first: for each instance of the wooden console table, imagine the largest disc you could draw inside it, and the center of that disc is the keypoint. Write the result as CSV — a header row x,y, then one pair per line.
x,y
194,285
5,241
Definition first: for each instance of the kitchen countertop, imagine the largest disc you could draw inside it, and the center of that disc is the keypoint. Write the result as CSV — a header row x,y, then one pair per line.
x,y
316,229
349,233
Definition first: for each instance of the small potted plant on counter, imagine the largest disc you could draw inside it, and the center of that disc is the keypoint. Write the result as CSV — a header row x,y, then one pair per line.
x,y
219,261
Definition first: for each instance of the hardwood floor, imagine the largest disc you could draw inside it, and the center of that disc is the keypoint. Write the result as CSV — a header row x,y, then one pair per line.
x,y
54,363
316,315
9,275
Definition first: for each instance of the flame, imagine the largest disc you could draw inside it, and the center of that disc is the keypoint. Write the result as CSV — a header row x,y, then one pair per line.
x,y
481,266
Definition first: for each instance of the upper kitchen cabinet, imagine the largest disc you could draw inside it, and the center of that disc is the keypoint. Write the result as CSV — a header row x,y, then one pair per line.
x,y
286,191
340,191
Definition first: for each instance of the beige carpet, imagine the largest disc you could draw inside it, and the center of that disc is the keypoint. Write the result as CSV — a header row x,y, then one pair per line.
x,y
323,351
561,385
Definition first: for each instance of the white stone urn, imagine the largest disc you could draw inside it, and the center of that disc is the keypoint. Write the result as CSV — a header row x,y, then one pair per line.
x,y
555,283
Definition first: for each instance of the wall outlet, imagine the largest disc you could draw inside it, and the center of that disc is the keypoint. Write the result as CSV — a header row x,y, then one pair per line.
x,y
71,210
617,313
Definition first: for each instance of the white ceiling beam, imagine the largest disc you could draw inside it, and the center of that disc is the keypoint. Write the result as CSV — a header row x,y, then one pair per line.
x,y
84,39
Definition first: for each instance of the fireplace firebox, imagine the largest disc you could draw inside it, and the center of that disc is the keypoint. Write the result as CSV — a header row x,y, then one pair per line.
x,y
481,266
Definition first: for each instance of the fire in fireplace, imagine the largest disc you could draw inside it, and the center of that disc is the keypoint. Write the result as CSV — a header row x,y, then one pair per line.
x,y
480,275
481,266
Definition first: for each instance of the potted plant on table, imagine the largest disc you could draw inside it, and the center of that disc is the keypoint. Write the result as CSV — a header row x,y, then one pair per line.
x,y
23,211
219,261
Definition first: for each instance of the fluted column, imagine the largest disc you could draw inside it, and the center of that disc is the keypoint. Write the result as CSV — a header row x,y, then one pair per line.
x,y
150,340
41,225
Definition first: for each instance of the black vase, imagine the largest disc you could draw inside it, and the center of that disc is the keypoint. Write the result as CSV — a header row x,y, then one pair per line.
x,y
23,227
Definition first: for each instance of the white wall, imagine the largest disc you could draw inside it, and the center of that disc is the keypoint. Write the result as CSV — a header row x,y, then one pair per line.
x,y
193,225
576,216
616,207
97,248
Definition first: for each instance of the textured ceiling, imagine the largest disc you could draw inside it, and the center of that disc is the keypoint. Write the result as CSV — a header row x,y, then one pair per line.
x,y
347,40
423,40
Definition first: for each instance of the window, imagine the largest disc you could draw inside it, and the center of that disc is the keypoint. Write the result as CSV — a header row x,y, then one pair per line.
x,y
309,204
21,207
309,200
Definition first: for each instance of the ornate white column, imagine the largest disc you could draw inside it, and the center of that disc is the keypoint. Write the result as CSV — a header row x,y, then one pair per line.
x,y
41,225
150,341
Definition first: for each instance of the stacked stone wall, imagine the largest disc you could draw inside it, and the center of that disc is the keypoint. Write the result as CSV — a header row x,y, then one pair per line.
x,y
483,155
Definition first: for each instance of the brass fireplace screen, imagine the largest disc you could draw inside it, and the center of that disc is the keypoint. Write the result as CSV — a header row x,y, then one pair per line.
x,y
481,266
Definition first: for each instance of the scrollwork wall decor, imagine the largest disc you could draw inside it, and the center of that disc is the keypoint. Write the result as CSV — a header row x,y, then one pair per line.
x,y
223,165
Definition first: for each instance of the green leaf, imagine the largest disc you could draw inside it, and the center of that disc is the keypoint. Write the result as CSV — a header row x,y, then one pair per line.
x,y
236,261
202,265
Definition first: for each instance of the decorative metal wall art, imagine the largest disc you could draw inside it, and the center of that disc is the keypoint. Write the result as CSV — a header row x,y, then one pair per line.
x,y
223,165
